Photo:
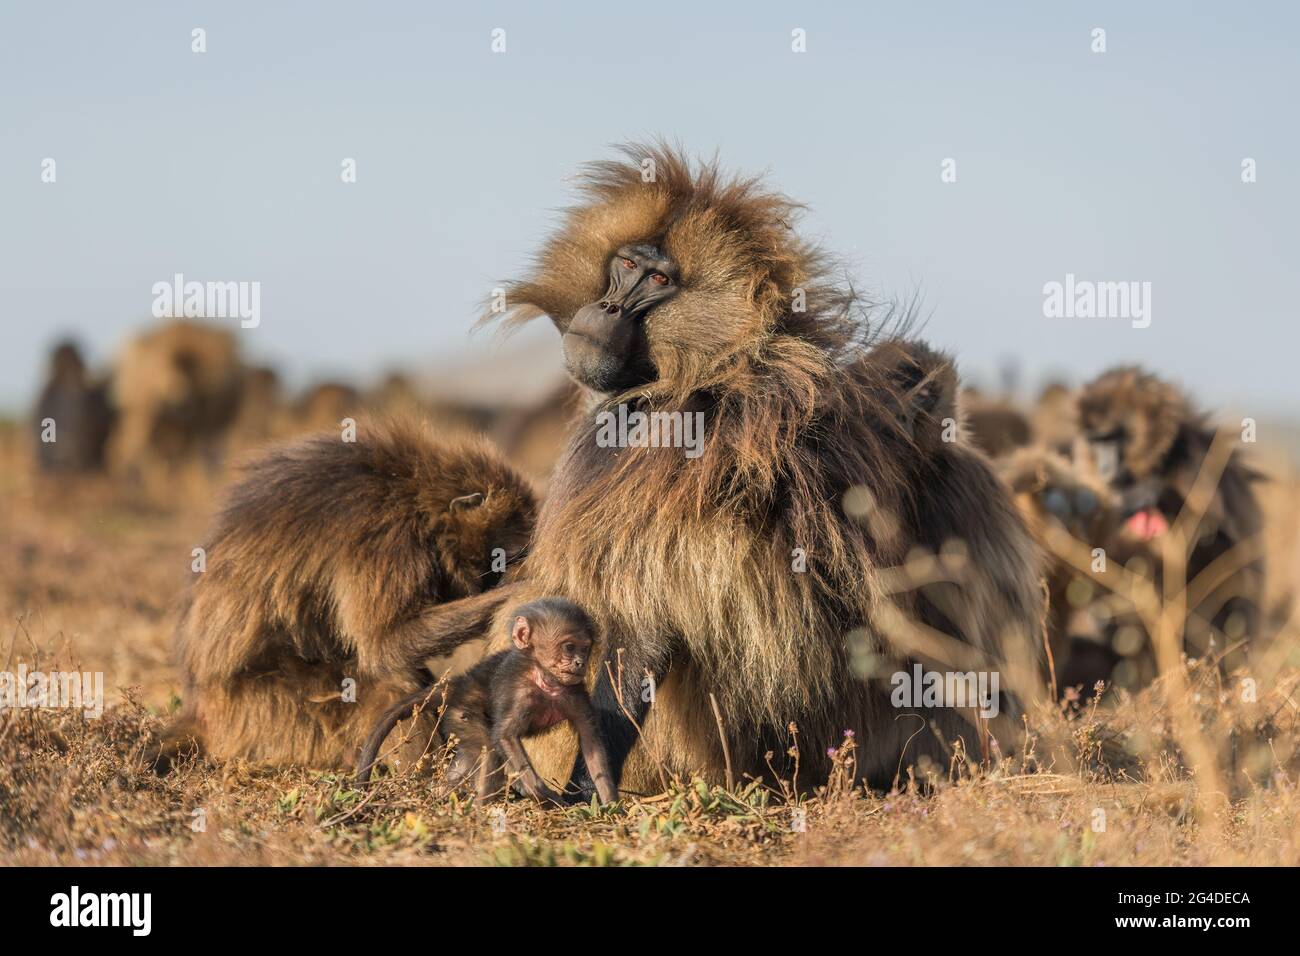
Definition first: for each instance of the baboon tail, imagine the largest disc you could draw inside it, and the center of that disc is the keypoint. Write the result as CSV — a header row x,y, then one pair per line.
x,y
409,705
181,738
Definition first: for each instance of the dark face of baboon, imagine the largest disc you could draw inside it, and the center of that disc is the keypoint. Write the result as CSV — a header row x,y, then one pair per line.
x,y
559,646
605,345
1132,422
669,282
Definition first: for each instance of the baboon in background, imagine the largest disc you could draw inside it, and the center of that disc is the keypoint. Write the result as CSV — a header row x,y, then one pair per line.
x,y
79,410
261,410
1051,488
325,551
176,389
396,394
1054,418
324,406
692,294
996,426
1147,442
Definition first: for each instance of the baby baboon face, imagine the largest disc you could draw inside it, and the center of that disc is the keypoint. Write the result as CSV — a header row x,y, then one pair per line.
x,y
560,647
604,345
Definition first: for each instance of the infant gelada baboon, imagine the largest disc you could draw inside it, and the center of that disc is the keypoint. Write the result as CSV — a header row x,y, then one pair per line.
x,y
325,551
514,694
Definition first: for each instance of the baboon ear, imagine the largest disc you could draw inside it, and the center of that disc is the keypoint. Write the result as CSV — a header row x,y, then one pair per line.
x,y
465,502
521,633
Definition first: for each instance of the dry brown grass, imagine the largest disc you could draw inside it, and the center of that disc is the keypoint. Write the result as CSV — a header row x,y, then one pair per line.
x,y
87,579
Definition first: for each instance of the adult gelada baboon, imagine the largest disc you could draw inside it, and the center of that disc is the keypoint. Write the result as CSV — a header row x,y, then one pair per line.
x,y
1053,490
72,417
325,550
176,388
1147,442
757,571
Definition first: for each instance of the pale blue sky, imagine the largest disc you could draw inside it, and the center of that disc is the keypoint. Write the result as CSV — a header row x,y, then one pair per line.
x,y
1118,166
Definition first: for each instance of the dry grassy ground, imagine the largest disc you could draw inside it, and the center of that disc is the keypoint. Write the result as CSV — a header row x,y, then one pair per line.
x,y
87,581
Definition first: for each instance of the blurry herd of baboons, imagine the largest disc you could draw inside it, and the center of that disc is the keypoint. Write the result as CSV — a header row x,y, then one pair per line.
x,y
180,400
1111,463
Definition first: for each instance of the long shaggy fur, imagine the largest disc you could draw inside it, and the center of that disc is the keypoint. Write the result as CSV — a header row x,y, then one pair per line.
x,y
815,441
324,550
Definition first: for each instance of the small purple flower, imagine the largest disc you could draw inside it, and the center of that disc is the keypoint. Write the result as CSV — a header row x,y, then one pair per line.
x,y
848,733
830,751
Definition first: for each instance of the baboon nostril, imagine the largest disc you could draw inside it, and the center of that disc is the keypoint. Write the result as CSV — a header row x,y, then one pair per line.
x,y
613,309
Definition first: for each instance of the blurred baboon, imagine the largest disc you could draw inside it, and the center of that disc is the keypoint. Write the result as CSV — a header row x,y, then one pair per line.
x,y
756,573
995,426
1050,489
324,550
1054,418
1147,443
261,410
176,389
324,406
72,417
395,395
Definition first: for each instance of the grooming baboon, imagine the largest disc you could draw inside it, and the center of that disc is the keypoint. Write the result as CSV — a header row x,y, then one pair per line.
x,y
517,693
324,550
756,574
72,417
176,389
1148,442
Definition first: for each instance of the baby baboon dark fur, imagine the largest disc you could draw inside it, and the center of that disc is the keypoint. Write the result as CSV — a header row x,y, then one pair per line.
x,y
79,410
511,695
325,550
1147,442
692,293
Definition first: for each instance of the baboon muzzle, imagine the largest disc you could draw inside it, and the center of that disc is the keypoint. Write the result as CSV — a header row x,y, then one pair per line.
x,y
598,344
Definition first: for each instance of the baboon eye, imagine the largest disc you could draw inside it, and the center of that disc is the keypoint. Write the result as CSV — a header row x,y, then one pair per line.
x,y
658,278
629,264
